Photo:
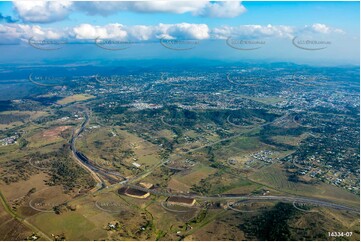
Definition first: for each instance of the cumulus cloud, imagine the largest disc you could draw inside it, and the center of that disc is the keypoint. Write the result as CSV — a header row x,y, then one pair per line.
x,y
46,12
16,33
264,31
142,32
178,7
222,10
41,11
183,31
253,31
322,29
87,32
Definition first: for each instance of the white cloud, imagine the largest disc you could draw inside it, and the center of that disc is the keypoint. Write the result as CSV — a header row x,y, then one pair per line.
x,y
13,33
264,31
41,11
52,11
222,9
322,29
142,32
178,7
183,31
253,31
87,31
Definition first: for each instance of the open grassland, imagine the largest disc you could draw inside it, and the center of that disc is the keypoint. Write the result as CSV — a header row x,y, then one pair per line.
x,y
289,140
20,189
49,136
12,119
224,181
197,140
265,100
195,175
239,146
6,149
203,179
243,186
44,139
275,177
71,224
116,148
167,134
229,184
85,215
178,186
75,98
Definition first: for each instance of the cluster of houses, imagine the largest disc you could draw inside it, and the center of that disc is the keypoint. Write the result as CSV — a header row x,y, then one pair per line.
x,y
10,140
263,155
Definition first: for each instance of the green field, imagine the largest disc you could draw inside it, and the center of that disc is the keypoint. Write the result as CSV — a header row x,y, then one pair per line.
x,y
274,177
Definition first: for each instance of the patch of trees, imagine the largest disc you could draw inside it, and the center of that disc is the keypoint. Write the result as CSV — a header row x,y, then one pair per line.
x,y
5,105
23,143
10,118
268,131
46,101
16,170
58,164
59,209
67,173
271,225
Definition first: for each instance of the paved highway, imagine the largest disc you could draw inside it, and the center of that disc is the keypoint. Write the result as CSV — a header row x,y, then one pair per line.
x,y
235,197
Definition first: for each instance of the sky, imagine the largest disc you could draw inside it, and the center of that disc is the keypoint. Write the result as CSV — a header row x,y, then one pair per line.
x,y
318,33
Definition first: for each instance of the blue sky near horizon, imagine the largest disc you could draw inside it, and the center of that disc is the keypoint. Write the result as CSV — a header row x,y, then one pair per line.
x,y
338,14
263,13
278,22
